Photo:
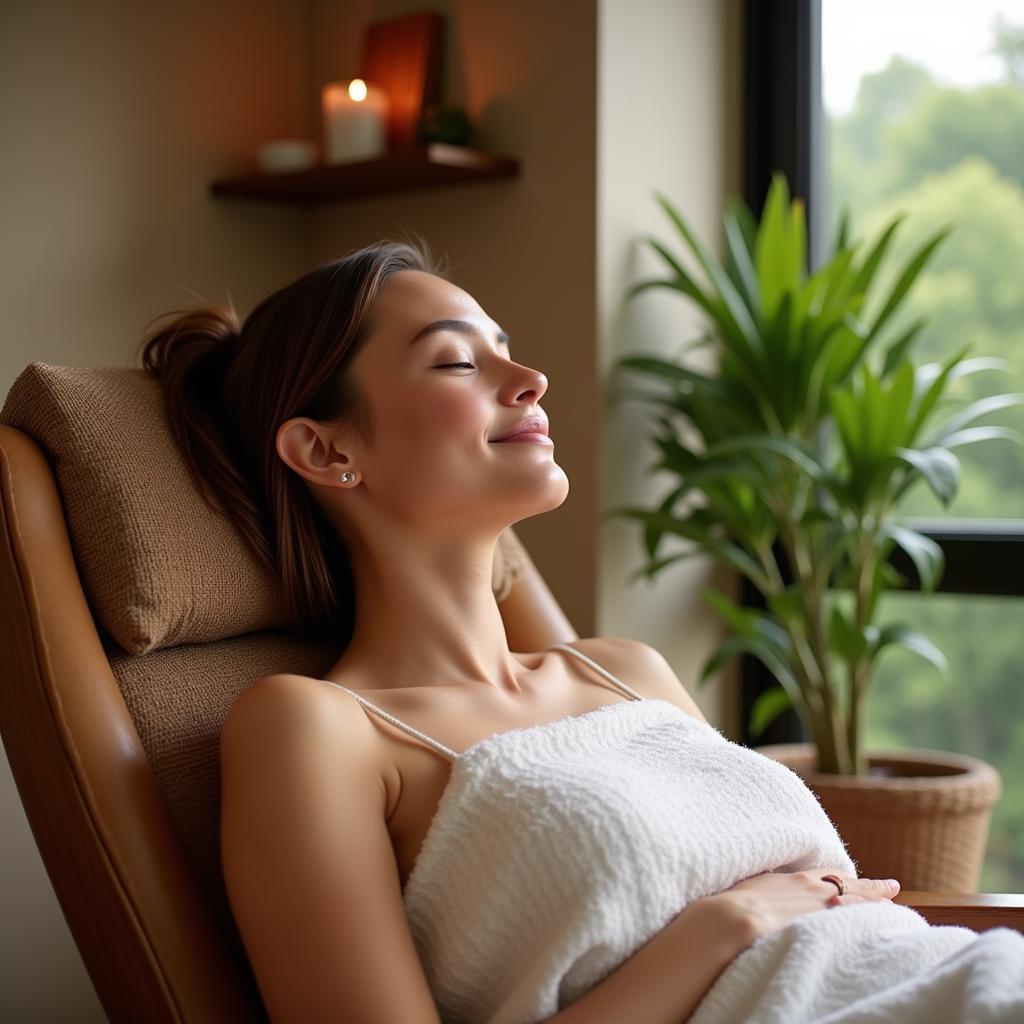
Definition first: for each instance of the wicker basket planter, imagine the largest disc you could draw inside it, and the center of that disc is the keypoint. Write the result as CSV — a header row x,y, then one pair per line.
x,y
920,816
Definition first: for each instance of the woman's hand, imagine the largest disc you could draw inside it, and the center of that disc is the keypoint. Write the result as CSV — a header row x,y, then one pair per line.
x,y
770,900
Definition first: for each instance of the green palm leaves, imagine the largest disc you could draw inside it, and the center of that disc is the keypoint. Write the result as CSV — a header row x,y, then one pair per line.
x,y
810,433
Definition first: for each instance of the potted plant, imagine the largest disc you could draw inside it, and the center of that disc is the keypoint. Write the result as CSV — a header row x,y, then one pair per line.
x,y
793,455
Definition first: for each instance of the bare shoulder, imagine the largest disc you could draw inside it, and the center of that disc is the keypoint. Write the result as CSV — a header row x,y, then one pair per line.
x,y
292,695
285,711
642,667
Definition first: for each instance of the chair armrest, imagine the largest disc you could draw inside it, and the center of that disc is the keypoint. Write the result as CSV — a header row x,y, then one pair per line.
x,y
976,910
532,616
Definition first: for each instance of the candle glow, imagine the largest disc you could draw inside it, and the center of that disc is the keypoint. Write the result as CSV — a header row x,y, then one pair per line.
x,y
355,121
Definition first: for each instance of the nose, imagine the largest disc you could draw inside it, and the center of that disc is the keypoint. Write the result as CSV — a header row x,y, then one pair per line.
x,y
525,381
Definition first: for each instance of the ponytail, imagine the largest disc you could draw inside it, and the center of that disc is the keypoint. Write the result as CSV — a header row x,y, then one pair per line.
x,y
190,355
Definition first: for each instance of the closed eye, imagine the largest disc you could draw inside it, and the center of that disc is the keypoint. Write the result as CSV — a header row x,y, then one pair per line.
x,y
445,366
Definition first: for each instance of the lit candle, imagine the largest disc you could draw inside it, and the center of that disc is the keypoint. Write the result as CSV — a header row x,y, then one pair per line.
x,y
355,116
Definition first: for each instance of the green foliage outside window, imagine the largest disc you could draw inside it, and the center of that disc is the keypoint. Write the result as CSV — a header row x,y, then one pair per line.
x,y
943,154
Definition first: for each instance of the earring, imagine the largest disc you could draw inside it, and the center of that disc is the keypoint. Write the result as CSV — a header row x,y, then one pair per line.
x,y
347,476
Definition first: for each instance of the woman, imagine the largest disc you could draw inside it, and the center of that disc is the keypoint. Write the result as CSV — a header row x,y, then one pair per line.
x,y
441,828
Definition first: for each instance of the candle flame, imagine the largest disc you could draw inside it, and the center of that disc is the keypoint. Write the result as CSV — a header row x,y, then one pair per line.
x,y
357,89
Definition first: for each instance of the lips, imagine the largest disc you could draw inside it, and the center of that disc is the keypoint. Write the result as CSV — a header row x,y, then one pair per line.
x,y
531,425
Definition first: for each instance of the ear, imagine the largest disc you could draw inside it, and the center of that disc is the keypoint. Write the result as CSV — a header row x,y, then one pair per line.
x,y
310,448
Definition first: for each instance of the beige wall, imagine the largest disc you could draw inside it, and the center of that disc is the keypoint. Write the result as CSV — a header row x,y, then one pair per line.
x,y
115,118
668,121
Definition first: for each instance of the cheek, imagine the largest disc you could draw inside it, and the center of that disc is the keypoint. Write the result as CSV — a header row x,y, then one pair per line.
x,y
451,413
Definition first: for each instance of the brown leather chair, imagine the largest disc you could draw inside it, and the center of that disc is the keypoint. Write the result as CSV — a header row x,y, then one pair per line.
x,y
114,683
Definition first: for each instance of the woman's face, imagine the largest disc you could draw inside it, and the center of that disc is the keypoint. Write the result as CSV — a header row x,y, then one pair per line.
x,y
439,393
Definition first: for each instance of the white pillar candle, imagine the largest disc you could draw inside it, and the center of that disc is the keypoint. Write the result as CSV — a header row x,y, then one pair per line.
x,y
355,116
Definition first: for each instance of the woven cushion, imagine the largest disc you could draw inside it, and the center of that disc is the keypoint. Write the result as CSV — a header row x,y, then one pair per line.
x,y
178,699
158,566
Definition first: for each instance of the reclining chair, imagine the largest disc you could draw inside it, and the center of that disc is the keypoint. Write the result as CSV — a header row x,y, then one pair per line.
x,y
131,616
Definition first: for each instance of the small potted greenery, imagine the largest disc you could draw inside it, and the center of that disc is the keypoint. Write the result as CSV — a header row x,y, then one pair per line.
x,y
803,441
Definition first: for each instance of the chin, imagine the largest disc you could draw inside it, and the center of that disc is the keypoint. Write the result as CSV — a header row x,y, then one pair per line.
x,y
554,497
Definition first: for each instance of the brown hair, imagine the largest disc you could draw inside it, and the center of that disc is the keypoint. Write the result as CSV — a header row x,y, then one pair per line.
x,y
229,384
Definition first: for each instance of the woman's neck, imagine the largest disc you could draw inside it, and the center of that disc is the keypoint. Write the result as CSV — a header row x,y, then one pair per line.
x,y
426,616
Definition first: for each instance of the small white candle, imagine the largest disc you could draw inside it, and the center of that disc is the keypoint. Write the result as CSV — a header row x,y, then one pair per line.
x,y
282,155
355,116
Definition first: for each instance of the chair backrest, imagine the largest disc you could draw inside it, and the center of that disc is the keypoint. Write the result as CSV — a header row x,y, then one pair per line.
x,y
132,616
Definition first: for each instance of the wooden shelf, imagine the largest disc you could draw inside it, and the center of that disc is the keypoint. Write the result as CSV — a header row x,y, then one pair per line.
x,y
431,166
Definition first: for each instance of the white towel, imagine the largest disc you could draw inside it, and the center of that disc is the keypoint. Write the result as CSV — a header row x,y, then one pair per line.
x,y
871,962
558,850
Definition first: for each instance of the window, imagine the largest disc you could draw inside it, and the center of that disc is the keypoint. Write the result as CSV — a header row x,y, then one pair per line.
x,y
862,109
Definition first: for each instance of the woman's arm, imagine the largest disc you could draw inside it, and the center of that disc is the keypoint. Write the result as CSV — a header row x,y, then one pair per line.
x,y
666,979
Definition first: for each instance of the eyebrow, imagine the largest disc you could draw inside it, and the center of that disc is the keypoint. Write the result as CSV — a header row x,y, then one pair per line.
x,y
460,327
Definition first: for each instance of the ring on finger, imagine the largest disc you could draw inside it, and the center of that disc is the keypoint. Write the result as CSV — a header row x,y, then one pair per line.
x,y
837,881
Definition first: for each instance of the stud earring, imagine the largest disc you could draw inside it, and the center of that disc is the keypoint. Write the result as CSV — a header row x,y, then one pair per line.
x,y
347,476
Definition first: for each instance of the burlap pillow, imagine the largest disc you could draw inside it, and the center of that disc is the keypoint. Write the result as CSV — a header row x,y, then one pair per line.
x,y
158,566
